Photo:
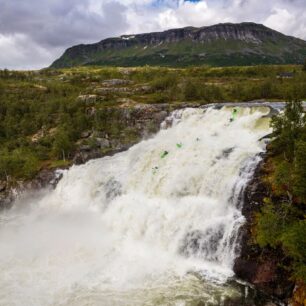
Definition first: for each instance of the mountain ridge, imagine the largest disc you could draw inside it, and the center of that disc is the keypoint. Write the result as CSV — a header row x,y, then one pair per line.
x,y
222,44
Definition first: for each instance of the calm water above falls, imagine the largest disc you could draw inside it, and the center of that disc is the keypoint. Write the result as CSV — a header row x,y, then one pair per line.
x,y
155,225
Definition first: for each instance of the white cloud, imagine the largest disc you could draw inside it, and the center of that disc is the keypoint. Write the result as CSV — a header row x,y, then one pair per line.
x,y
280,19
34,32
19,51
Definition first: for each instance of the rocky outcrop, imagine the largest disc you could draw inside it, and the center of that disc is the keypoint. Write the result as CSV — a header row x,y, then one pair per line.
x,y
264,268
139,122
116,82
46,178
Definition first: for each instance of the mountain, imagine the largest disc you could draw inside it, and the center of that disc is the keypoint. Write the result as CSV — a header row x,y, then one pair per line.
x,y
218,45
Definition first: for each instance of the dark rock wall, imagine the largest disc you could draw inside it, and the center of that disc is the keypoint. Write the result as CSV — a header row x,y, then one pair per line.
x,y
264,268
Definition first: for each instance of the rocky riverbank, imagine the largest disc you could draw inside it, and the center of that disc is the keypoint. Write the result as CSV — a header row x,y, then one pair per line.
x,y
267,269
136,121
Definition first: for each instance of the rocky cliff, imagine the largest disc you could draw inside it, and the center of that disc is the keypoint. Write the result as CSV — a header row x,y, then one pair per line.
x,y
267,269
221,44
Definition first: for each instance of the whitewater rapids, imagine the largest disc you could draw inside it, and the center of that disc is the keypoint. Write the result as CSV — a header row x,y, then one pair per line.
x,y
142,227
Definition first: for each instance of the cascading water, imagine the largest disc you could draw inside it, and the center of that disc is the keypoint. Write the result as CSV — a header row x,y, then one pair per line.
x,y
155,225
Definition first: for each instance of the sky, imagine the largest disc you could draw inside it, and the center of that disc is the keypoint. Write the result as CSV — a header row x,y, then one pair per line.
x,y
33,33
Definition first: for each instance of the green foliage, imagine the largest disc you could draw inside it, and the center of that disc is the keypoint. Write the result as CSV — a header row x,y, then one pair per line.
x,y
165,82
193,91
294,240
282,177
279,225
299,171
283,223
269,229
62,145
287,128
20,163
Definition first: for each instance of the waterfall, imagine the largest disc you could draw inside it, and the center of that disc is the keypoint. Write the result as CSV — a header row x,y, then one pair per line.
x,y
155,225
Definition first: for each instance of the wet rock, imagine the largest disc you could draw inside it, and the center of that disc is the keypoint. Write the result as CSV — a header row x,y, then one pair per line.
x,y
112,189
160,116
256,272
82,157
47,177
265,272
85,148
2,186
6,200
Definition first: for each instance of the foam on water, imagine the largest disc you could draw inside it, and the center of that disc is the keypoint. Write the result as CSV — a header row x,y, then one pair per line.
x,y
136,228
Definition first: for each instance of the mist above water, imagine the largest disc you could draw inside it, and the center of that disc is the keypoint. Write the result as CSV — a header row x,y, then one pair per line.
x,y
155,225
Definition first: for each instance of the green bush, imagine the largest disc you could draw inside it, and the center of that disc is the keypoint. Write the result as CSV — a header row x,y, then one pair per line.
x,y
283,224
269,228
63,146
299,172
165,82
20,163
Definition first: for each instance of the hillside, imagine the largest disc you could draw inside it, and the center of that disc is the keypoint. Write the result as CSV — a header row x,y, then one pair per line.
x,y
218,45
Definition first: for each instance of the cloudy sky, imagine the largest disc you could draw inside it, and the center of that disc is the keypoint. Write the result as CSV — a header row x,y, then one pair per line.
x,y
33,33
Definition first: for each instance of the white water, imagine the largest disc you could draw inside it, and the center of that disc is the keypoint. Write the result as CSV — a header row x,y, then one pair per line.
x,y
115,231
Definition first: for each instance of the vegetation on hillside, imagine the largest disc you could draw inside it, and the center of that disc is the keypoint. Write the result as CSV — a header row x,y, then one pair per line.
x,y
282,222
43,114
217,45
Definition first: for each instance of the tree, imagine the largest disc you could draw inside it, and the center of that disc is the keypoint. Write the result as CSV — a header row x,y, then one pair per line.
x,y
62,145
287,127
300,170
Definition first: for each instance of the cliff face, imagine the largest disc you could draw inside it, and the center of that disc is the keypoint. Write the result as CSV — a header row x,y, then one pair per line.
x,y
221,44
267,269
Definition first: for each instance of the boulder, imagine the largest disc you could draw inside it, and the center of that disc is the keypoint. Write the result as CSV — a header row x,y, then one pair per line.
x,y
107,90
85,148
103,143
116,82
85,134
